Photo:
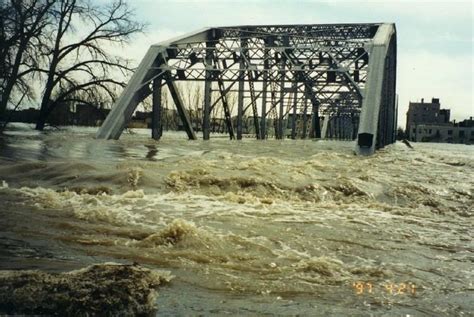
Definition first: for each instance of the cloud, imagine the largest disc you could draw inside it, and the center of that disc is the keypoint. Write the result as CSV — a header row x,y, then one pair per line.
x,y
434,37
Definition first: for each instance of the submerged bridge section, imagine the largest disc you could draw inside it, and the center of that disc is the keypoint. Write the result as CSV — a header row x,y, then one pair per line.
x,y
331,81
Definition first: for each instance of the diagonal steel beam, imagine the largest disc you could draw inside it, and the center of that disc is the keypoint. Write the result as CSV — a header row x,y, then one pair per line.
x,y
183,114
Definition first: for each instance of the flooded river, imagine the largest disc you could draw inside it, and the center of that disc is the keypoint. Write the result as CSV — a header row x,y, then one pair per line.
x,y
248,228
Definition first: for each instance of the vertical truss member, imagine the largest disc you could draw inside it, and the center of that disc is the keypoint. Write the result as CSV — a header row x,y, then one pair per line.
x,y
348,69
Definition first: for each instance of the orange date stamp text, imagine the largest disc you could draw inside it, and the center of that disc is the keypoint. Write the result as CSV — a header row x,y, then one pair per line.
x,y
365,288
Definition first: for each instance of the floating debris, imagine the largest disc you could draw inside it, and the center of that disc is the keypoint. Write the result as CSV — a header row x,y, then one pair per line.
x,y
107,289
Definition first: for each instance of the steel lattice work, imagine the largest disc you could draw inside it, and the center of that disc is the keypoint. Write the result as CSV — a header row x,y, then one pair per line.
x,y
318,81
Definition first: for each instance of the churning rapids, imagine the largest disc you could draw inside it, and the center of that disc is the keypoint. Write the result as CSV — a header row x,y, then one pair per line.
x,y
250,227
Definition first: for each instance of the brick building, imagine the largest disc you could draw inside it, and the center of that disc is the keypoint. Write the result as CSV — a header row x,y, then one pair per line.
x,y
427,122
426,113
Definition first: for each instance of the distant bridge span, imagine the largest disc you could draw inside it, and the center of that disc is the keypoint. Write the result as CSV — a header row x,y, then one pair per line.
x,y
331,81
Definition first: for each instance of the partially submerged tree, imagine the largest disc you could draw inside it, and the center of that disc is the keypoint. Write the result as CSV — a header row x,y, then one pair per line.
x,y
65,43
22,26
401,134
79,60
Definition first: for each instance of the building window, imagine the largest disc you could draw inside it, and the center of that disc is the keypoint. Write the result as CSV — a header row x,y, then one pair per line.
x,y
472,133
414,130
419,130
450,132
461,133
430,131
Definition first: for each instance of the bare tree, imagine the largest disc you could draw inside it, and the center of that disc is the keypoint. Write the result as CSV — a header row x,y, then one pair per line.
x,y
170,117
196,103
193,100
22,25
78,69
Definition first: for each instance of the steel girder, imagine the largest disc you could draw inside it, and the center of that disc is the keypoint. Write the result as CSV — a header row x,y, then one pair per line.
x,y
280,72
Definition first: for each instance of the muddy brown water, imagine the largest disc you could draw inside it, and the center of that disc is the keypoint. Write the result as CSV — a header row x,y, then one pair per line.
x,y
251,227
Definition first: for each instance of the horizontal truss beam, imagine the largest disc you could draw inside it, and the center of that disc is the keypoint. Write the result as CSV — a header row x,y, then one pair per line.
x,y
331,74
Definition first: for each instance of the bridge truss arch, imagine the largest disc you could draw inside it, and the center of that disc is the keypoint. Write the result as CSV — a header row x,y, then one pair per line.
x,y
319,81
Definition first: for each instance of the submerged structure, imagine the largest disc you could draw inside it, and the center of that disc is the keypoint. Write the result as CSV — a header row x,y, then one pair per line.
x,y
320,81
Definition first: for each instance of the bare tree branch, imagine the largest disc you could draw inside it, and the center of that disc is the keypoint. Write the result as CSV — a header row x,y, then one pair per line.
x,y
85,67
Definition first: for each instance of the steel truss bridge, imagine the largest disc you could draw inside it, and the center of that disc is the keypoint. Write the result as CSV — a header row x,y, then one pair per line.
x,y
332,81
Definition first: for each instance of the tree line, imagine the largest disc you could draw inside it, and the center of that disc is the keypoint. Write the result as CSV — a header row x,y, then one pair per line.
x,y
55,52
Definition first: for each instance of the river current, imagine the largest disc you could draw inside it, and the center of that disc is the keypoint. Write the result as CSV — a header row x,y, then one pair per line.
x,y
292,227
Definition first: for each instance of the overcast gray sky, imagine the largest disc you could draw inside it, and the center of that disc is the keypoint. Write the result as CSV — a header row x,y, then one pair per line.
x,y
435,38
